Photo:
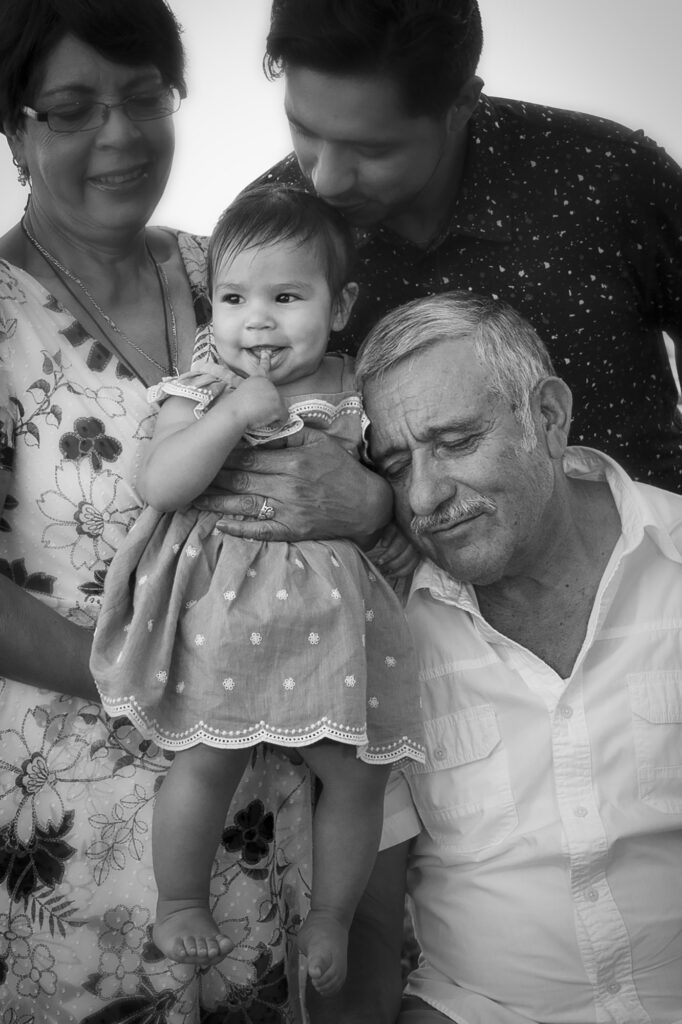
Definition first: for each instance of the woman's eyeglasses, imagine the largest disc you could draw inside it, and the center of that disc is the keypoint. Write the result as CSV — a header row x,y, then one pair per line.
x,y
85,116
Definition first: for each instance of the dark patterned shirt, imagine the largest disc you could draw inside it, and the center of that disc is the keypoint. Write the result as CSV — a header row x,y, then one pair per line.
x,y
577,223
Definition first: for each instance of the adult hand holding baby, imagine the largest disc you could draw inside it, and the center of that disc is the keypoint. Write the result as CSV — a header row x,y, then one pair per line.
x,y
316,489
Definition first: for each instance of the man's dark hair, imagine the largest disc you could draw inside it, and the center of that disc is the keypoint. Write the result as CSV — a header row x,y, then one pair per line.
x,y
132,32
429,48
265,214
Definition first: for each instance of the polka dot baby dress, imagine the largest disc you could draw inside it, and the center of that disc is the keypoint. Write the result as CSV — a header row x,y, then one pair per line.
x,y
207,638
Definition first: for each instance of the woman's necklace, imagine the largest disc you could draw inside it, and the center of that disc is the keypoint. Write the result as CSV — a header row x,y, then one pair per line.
x,y
171,330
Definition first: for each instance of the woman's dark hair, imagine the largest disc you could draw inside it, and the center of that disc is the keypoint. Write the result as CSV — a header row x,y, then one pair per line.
x,y
264,214
429,48
132,32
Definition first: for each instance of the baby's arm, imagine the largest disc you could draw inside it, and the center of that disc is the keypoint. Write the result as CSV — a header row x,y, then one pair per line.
x,y
185,453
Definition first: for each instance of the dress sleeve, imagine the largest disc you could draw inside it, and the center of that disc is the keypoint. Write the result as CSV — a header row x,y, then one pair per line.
x,y
193,250
203,385
204,352
7,421
10,408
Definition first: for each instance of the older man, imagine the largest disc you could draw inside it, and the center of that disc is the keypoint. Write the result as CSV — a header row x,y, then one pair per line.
x,y
574,220
542,841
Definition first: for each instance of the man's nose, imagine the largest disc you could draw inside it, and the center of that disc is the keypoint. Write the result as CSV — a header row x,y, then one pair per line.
x,y
429,487
332,173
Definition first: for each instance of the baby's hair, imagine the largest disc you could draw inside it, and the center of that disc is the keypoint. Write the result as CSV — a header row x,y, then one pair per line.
x,y
264,214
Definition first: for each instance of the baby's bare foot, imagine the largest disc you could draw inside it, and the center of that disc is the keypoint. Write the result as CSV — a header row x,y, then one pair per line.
x,y
186,932
324,940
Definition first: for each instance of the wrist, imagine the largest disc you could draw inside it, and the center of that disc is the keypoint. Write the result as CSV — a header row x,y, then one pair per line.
x,y
378,512
234,412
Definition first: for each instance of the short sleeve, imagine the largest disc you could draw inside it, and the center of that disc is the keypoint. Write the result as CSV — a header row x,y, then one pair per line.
x,y
204,354
401,821
207,382
196,386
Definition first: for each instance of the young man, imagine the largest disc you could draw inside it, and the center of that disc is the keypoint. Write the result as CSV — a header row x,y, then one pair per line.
x,y
541,843
577,222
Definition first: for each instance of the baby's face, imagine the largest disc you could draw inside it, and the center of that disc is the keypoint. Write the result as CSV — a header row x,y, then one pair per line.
x,y
274,297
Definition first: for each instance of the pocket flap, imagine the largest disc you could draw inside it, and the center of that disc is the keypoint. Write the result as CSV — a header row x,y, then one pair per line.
x,y
656,696
467,735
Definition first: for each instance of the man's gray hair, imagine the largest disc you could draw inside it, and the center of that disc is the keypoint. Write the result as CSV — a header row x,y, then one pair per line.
x,y
505,343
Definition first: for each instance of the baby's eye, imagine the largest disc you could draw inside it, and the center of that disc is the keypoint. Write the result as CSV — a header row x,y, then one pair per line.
x,y
231,298
285,297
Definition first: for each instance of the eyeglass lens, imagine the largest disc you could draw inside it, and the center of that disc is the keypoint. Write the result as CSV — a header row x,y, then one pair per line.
x,y
75,117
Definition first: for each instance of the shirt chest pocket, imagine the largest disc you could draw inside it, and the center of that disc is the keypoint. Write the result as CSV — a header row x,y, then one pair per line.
x,y
463,792
656,702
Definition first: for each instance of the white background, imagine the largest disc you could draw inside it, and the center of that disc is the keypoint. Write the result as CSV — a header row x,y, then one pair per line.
x,y
616,58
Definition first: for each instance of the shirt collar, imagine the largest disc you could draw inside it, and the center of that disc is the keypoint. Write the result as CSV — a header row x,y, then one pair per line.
x,y
639,516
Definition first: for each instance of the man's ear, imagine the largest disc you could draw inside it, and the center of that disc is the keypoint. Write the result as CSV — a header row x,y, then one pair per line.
x,y
464,103
552,397
343,305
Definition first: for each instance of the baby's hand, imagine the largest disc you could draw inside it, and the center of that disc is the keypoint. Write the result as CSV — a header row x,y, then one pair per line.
x,y
393,553
259,401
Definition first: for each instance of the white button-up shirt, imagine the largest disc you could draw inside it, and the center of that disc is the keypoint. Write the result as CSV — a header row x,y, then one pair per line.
x,y
546,876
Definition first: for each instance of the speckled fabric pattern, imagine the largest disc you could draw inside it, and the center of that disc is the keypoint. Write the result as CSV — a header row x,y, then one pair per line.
x,y
577,223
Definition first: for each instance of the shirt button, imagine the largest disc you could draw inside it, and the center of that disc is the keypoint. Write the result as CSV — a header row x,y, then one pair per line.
x,y
592,895
566,711
613,988
439,754
580,812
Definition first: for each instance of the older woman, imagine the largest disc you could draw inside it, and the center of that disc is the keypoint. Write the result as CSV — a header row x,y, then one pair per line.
x,y
95,306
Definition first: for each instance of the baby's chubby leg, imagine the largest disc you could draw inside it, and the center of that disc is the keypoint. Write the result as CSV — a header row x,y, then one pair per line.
x,y
346,833
189,817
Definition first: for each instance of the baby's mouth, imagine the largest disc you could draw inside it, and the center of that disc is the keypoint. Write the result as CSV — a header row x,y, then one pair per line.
x,y
261,350
266,357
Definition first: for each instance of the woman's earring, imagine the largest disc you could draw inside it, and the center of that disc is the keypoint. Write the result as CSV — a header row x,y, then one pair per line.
x,y
22,176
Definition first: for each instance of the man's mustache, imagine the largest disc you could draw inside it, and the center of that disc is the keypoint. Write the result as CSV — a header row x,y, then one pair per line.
x,y
450,513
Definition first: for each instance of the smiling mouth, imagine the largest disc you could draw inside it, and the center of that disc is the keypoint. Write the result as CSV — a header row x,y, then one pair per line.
x,y
119,179
261,350
267,357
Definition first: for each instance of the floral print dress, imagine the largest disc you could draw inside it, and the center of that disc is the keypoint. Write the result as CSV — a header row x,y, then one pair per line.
x,y
77,897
